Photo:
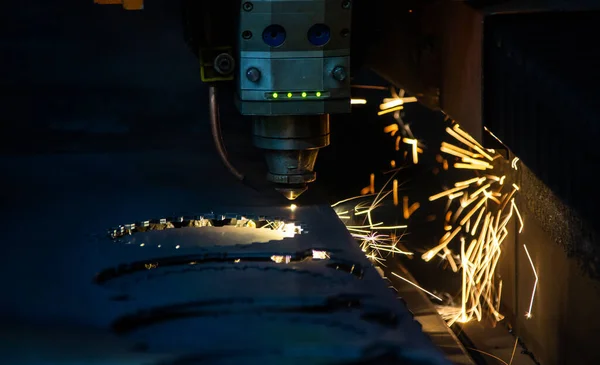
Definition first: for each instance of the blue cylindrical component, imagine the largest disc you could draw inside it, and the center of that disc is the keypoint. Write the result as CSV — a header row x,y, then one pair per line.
x,y
274,35
319,34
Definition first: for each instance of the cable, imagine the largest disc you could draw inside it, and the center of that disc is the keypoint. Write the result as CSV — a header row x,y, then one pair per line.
x,y
215,126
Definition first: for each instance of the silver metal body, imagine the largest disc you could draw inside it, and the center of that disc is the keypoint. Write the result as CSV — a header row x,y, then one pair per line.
x,y
291,145
294,61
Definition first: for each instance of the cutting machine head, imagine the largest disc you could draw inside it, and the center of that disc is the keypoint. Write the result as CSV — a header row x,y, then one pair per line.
x,y
293,71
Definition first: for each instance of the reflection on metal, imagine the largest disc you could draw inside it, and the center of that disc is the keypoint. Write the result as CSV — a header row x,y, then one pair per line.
x,y
289,229
281,259
132,268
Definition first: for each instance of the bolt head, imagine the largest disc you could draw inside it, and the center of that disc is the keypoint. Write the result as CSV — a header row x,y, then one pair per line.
x,y
224,64
248,6
246,34
253,74
339,73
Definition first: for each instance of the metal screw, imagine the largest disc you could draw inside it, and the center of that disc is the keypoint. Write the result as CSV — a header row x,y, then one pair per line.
x,y
248,6
339,73
345,32
253,74
346,4
224,64
246,34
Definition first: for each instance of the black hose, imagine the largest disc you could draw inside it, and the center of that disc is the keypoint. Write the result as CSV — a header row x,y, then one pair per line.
x,y
215,126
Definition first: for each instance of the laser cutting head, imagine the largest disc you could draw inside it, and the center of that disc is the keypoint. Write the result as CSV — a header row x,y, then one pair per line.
x,y
294,64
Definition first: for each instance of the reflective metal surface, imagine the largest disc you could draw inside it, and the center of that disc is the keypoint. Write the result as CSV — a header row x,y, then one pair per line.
x,y
166,296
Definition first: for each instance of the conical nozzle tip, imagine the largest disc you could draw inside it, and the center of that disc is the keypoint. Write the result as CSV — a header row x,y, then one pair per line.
x,y
292,193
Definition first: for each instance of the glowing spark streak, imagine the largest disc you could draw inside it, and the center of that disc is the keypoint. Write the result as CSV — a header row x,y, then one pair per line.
x,y
445,165
350,199
393,164
418,287
466,182
464,263
528,314
390,103
446,193
392,129
514,162
463,153
465,201
413,208
475,161
516,186
392,227
405,207
491,197
514,350
395,192
357,231
453,152
466,166
492,134
387,248
488,354
398,140
512,201
415,152
466,135
493,177
358,101
502,180
372,184
507,199
456,195
480,190
448,255
427,256
390,110
468,216
499,296
477,221
468,143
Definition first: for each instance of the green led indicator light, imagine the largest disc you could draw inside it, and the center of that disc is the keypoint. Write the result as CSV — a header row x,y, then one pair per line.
x,y
303,95
289,95
275,95
318,94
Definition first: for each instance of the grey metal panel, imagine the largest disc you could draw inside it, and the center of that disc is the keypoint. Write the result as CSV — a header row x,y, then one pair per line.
x,y
296,17
294,74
